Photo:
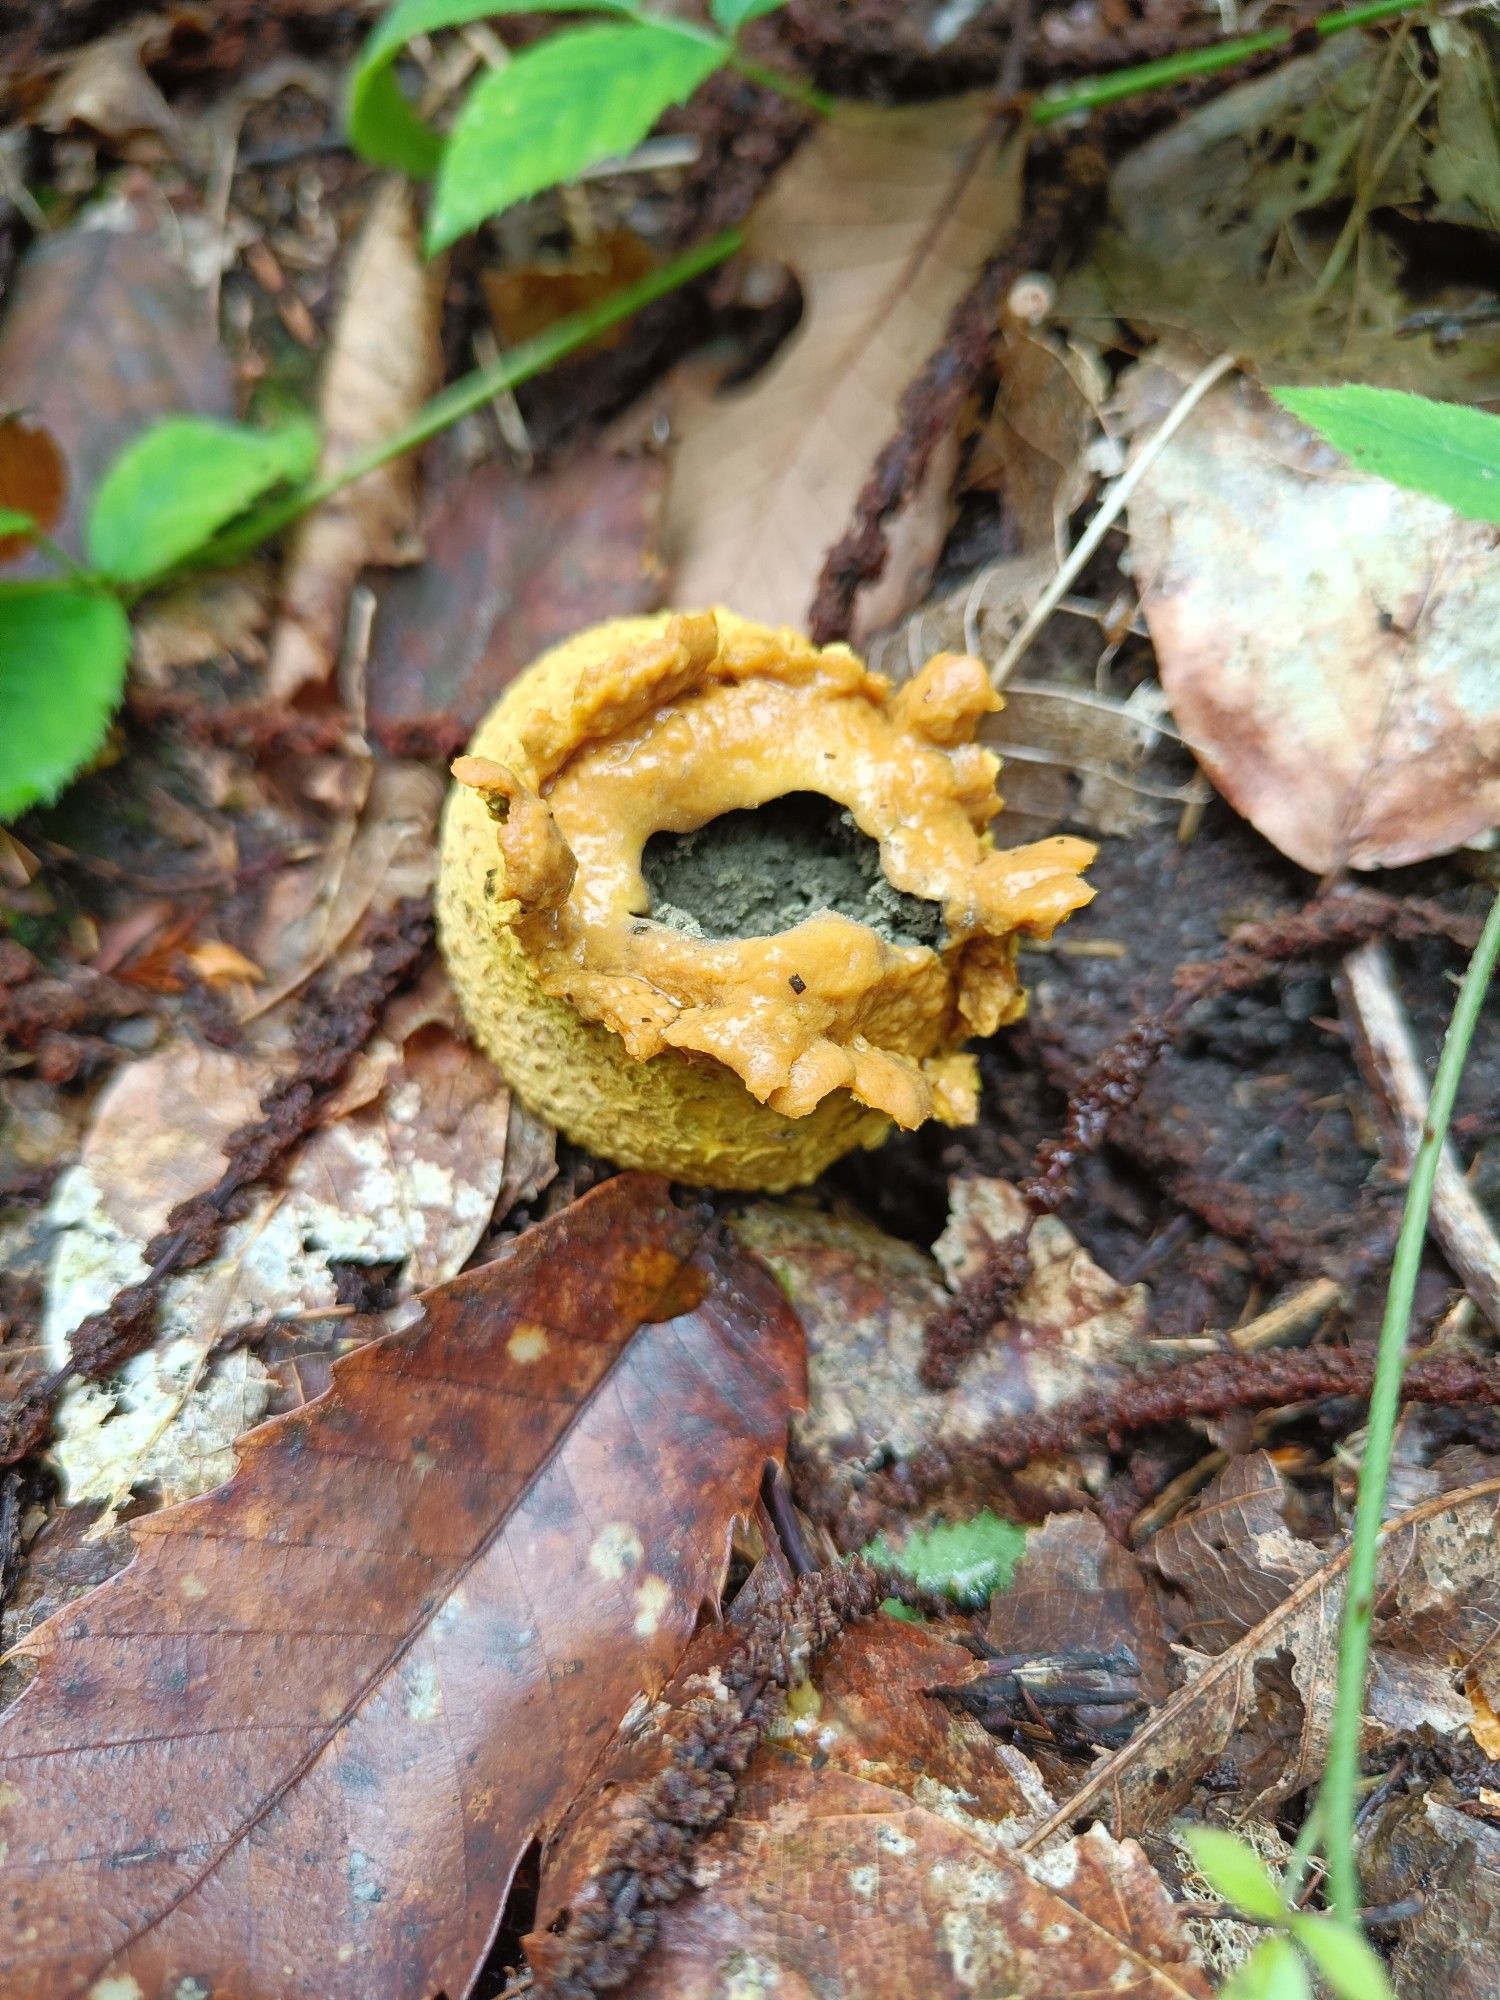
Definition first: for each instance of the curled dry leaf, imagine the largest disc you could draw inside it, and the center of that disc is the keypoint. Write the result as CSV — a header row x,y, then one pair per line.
x,y
383,363
871,1854
298,1747
1439,1582
1324,638
406,1169
887,217
104,332
513,566
865,1299
107,89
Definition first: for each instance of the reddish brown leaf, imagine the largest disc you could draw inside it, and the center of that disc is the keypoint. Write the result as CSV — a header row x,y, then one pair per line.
x,y
104,332
513,566
297,1747
33,478
869,1855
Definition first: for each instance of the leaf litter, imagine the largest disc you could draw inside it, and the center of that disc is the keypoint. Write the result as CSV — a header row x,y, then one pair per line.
x,y
1279,220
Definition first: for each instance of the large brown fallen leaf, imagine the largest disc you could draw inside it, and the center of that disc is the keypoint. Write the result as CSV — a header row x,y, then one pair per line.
x,y
870,1855
297,1748
1439,1579
1425,1844
865,1299
887,217
103,332
1325,639
513,565
383,364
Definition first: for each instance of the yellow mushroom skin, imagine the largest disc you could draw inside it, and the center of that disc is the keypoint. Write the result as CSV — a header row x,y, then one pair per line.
x,y
739,1062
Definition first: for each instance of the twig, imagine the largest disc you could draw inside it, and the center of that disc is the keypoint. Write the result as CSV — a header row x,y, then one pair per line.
x,y
1289,1317
1109,510
1341,1773
1388,1057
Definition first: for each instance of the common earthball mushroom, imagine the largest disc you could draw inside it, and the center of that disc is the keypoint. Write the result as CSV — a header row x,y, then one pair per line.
x,y
723,904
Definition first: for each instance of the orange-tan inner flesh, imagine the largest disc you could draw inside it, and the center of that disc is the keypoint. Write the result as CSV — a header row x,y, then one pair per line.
x,y
669,734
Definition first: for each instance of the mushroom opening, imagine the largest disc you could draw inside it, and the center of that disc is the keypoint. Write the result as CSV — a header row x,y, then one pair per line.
x,y
753,873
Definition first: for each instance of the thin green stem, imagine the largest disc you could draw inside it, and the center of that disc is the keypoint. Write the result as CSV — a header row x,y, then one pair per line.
x,y
807,95
1336,1797
532,357
1091,92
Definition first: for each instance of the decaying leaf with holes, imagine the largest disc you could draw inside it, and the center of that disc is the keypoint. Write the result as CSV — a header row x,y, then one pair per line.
x,y
298,1747
871,1855
404,1169
828,924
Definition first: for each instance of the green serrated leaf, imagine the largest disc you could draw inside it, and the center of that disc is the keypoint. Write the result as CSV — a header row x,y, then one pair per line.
x,y
381,122
14,522
1273,1971
579,98
62,673
1233,1870
1344,1956
1442,449
734,14
179,482
968,1559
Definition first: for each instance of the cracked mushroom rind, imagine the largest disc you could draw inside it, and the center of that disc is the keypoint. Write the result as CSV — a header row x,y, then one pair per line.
x,y
738,1062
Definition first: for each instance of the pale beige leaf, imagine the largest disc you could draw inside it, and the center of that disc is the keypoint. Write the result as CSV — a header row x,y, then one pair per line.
x,y
383,364
1326,640
886,217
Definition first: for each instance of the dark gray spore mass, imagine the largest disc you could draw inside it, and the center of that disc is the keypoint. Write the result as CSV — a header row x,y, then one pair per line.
x,y
750,874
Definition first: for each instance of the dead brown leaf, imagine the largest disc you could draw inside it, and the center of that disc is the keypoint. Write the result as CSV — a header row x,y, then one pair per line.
x,y
106,89
1076,1590
513,565
1323,637
1425,1846
304,1739
383,363
865,1299
381,848
33,478
871,1855
103,332
1437,1563
1234,1555
886,216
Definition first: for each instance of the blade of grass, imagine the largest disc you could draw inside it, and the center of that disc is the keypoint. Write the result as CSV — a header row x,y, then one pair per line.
x,y
530,358
1336,1797
1091,92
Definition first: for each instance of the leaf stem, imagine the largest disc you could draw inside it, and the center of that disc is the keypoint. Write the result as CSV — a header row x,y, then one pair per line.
x,y
471,392
1091,92
1336,1797
794,88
